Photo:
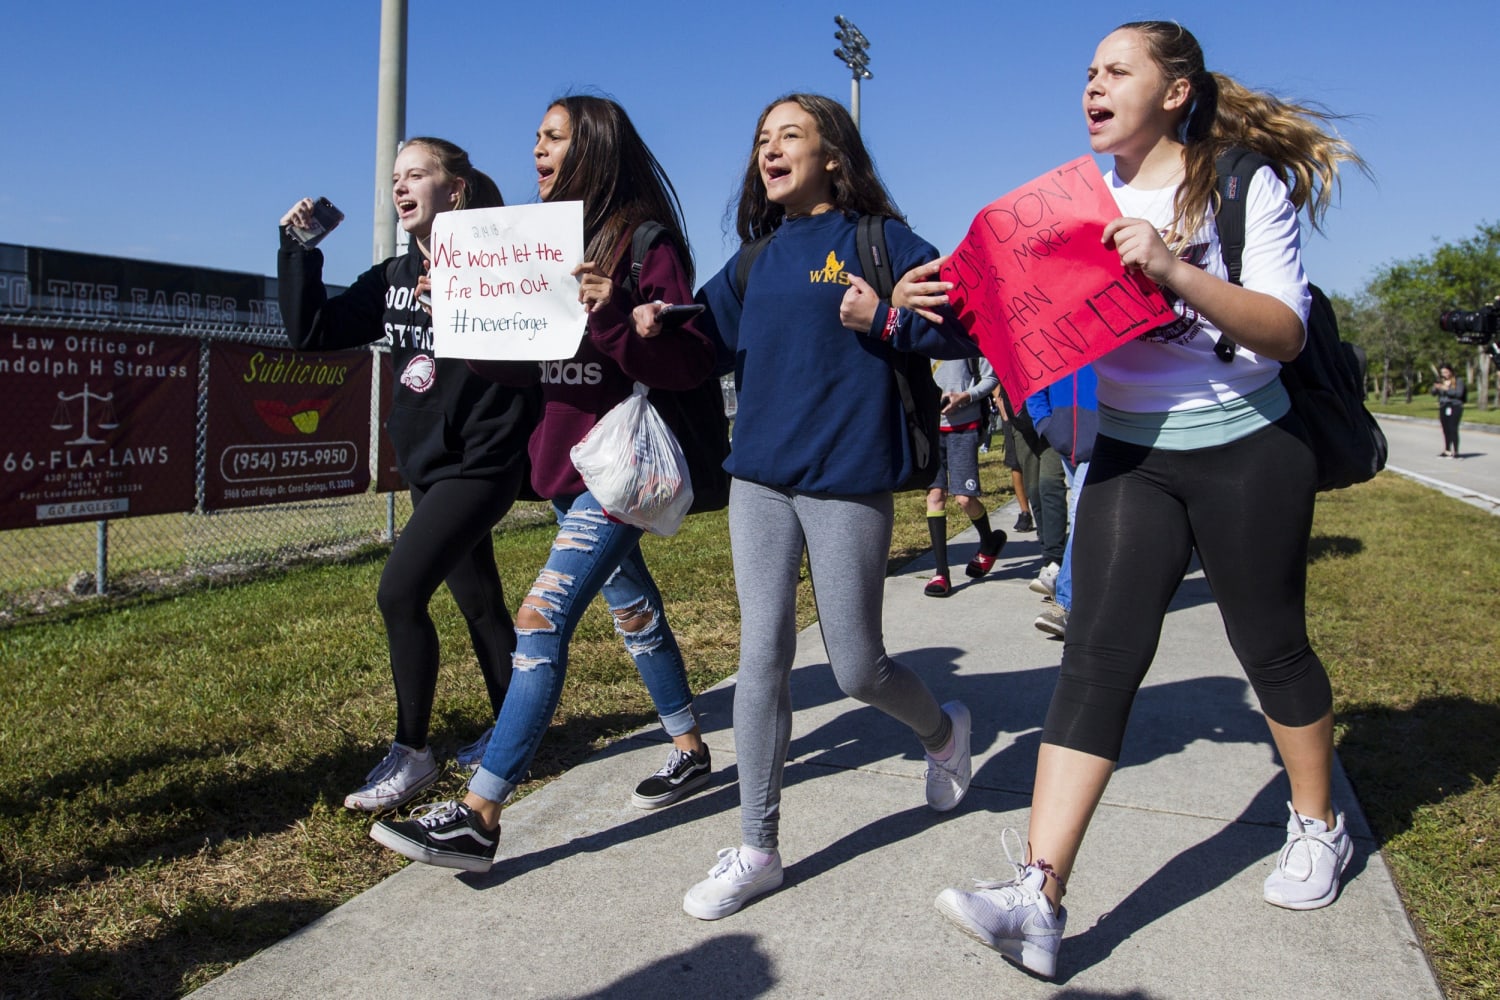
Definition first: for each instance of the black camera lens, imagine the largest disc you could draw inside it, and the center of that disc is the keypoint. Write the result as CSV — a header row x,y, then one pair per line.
x,y
1460,321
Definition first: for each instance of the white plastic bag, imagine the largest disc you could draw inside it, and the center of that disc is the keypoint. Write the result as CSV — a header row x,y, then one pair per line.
x,y
634,467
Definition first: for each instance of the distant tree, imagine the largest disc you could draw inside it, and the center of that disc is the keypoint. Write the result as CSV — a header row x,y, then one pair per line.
x,y
1468,277
1395,319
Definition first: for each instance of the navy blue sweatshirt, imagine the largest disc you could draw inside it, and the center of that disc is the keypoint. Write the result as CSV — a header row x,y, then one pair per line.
x,y
446,422
818,409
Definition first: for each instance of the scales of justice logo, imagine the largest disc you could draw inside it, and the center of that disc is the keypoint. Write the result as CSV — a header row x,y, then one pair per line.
x,y
101,417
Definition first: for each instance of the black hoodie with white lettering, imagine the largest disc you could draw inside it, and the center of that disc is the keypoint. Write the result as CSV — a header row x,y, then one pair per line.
x,y
446,421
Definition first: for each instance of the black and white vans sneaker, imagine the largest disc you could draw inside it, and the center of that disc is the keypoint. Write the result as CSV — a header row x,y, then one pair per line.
x,y
684,773
446,834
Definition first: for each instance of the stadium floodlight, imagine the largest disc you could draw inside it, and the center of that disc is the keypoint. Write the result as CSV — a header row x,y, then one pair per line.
x,y
851,52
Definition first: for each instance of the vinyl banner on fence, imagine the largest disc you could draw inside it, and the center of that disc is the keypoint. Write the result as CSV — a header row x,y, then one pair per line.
x,y
1038,290
502,282
285,426
97,425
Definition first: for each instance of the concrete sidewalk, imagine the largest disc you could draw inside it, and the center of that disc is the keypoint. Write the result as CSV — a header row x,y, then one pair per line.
x,y
1164,902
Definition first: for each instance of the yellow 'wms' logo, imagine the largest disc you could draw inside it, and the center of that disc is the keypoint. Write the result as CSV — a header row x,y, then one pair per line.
x,y
831,273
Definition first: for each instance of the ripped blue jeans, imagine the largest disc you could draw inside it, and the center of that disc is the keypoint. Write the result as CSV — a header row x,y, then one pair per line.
x,y
590,555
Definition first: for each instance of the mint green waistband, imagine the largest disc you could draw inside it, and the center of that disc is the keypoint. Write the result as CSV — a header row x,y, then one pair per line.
x,y
1200,427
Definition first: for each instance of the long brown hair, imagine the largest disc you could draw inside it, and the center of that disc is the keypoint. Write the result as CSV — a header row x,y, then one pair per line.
x,y
479,190
1223,114
857,187
610,169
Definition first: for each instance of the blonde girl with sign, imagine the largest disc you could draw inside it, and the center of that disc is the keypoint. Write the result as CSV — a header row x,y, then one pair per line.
x,y
819,444
460,444
588,150
1192,453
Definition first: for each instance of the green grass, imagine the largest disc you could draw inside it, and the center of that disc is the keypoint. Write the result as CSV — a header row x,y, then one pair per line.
x,y
175,763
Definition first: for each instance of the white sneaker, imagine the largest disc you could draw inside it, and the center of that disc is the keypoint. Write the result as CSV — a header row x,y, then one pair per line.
x,y
948,780
1046,581
402,774
470,757
1309,865
1012,917
731,883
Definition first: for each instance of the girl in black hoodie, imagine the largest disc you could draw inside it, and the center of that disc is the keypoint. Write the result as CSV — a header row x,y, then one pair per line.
x,y
460,442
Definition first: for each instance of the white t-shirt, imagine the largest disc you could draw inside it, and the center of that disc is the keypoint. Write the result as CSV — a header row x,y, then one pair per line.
x,y
1173,367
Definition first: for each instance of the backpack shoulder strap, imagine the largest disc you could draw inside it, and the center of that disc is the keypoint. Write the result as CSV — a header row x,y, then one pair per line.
x,y
1234,169
740,276
641,239
874,255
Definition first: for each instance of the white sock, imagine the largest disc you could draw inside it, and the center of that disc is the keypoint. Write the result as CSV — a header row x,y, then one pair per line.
x,y
756,856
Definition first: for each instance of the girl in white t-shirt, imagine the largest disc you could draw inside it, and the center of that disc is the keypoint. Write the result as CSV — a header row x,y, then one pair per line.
x,y
1192,453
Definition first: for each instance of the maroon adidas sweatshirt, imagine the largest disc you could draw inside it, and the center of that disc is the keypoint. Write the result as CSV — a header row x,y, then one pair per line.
x,y
611,358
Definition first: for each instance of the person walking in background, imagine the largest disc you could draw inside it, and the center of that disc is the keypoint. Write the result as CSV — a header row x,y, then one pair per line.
x,y
1451,395
989,421
1067,415
1192,452
587,149
965,385
812,351
1021,458
460,443
1051,513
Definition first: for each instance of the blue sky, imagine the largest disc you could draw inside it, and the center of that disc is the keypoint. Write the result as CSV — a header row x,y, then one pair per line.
x,y
180,131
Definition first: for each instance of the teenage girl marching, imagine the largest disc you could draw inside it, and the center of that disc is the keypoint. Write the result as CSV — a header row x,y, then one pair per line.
x,y
587,149
1191,453
460,443
812,350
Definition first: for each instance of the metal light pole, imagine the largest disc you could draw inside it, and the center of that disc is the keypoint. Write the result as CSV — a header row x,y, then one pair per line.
x,y
390,120
390,126
851,52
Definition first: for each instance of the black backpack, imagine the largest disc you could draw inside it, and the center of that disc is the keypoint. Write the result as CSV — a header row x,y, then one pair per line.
x,y
921,399
696,415
1326,381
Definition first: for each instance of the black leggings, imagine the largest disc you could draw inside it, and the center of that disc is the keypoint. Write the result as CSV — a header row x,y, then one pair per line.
x,y
447,539
1450,417
1247,507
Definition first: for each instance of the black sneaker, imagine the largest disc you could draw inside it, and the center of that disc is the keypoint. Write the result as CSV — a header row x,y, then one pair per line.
x,y
683,774
1024,522
446,834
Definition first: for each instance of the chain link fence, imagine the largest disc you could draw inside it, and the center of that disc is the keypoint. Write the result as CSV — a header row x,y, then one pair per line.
x,y
62,315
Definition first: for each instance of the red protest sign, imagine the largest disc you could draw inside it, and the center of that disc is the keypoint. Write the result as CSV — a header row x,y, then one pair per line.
x,y
1038,290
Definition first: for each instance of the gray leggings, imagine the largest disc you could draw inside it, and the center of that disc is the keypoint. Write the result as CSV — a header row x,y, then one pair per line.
x,y
850,539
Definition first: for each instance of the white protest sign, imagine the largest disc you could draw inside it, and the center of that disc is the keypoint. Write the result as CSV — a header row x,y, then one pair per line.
x,y
502,287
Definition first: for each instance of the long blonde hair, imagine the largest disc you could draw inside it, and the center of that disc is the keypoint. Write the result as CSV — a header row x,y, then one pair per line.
x,y
1223,114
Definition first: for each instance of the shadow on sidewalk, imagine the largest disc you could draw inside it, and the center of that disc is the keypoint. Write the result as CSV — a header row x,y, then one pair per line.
x,y
1239,844
732,967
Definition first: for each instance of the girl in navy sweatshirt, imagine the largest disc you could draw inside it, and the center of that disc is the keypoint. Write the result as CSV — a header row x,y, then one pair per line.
x,y
460,444
819,444
587,149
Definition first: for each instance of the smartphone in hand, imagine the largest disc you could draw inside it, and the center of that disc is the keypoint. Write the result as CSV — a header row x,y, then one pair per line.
x,y
677,315
325,217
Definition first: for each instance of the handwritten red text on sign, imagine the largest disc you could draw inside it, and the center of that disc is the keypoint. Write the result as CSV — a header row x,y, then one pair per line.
x,y
1037,288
